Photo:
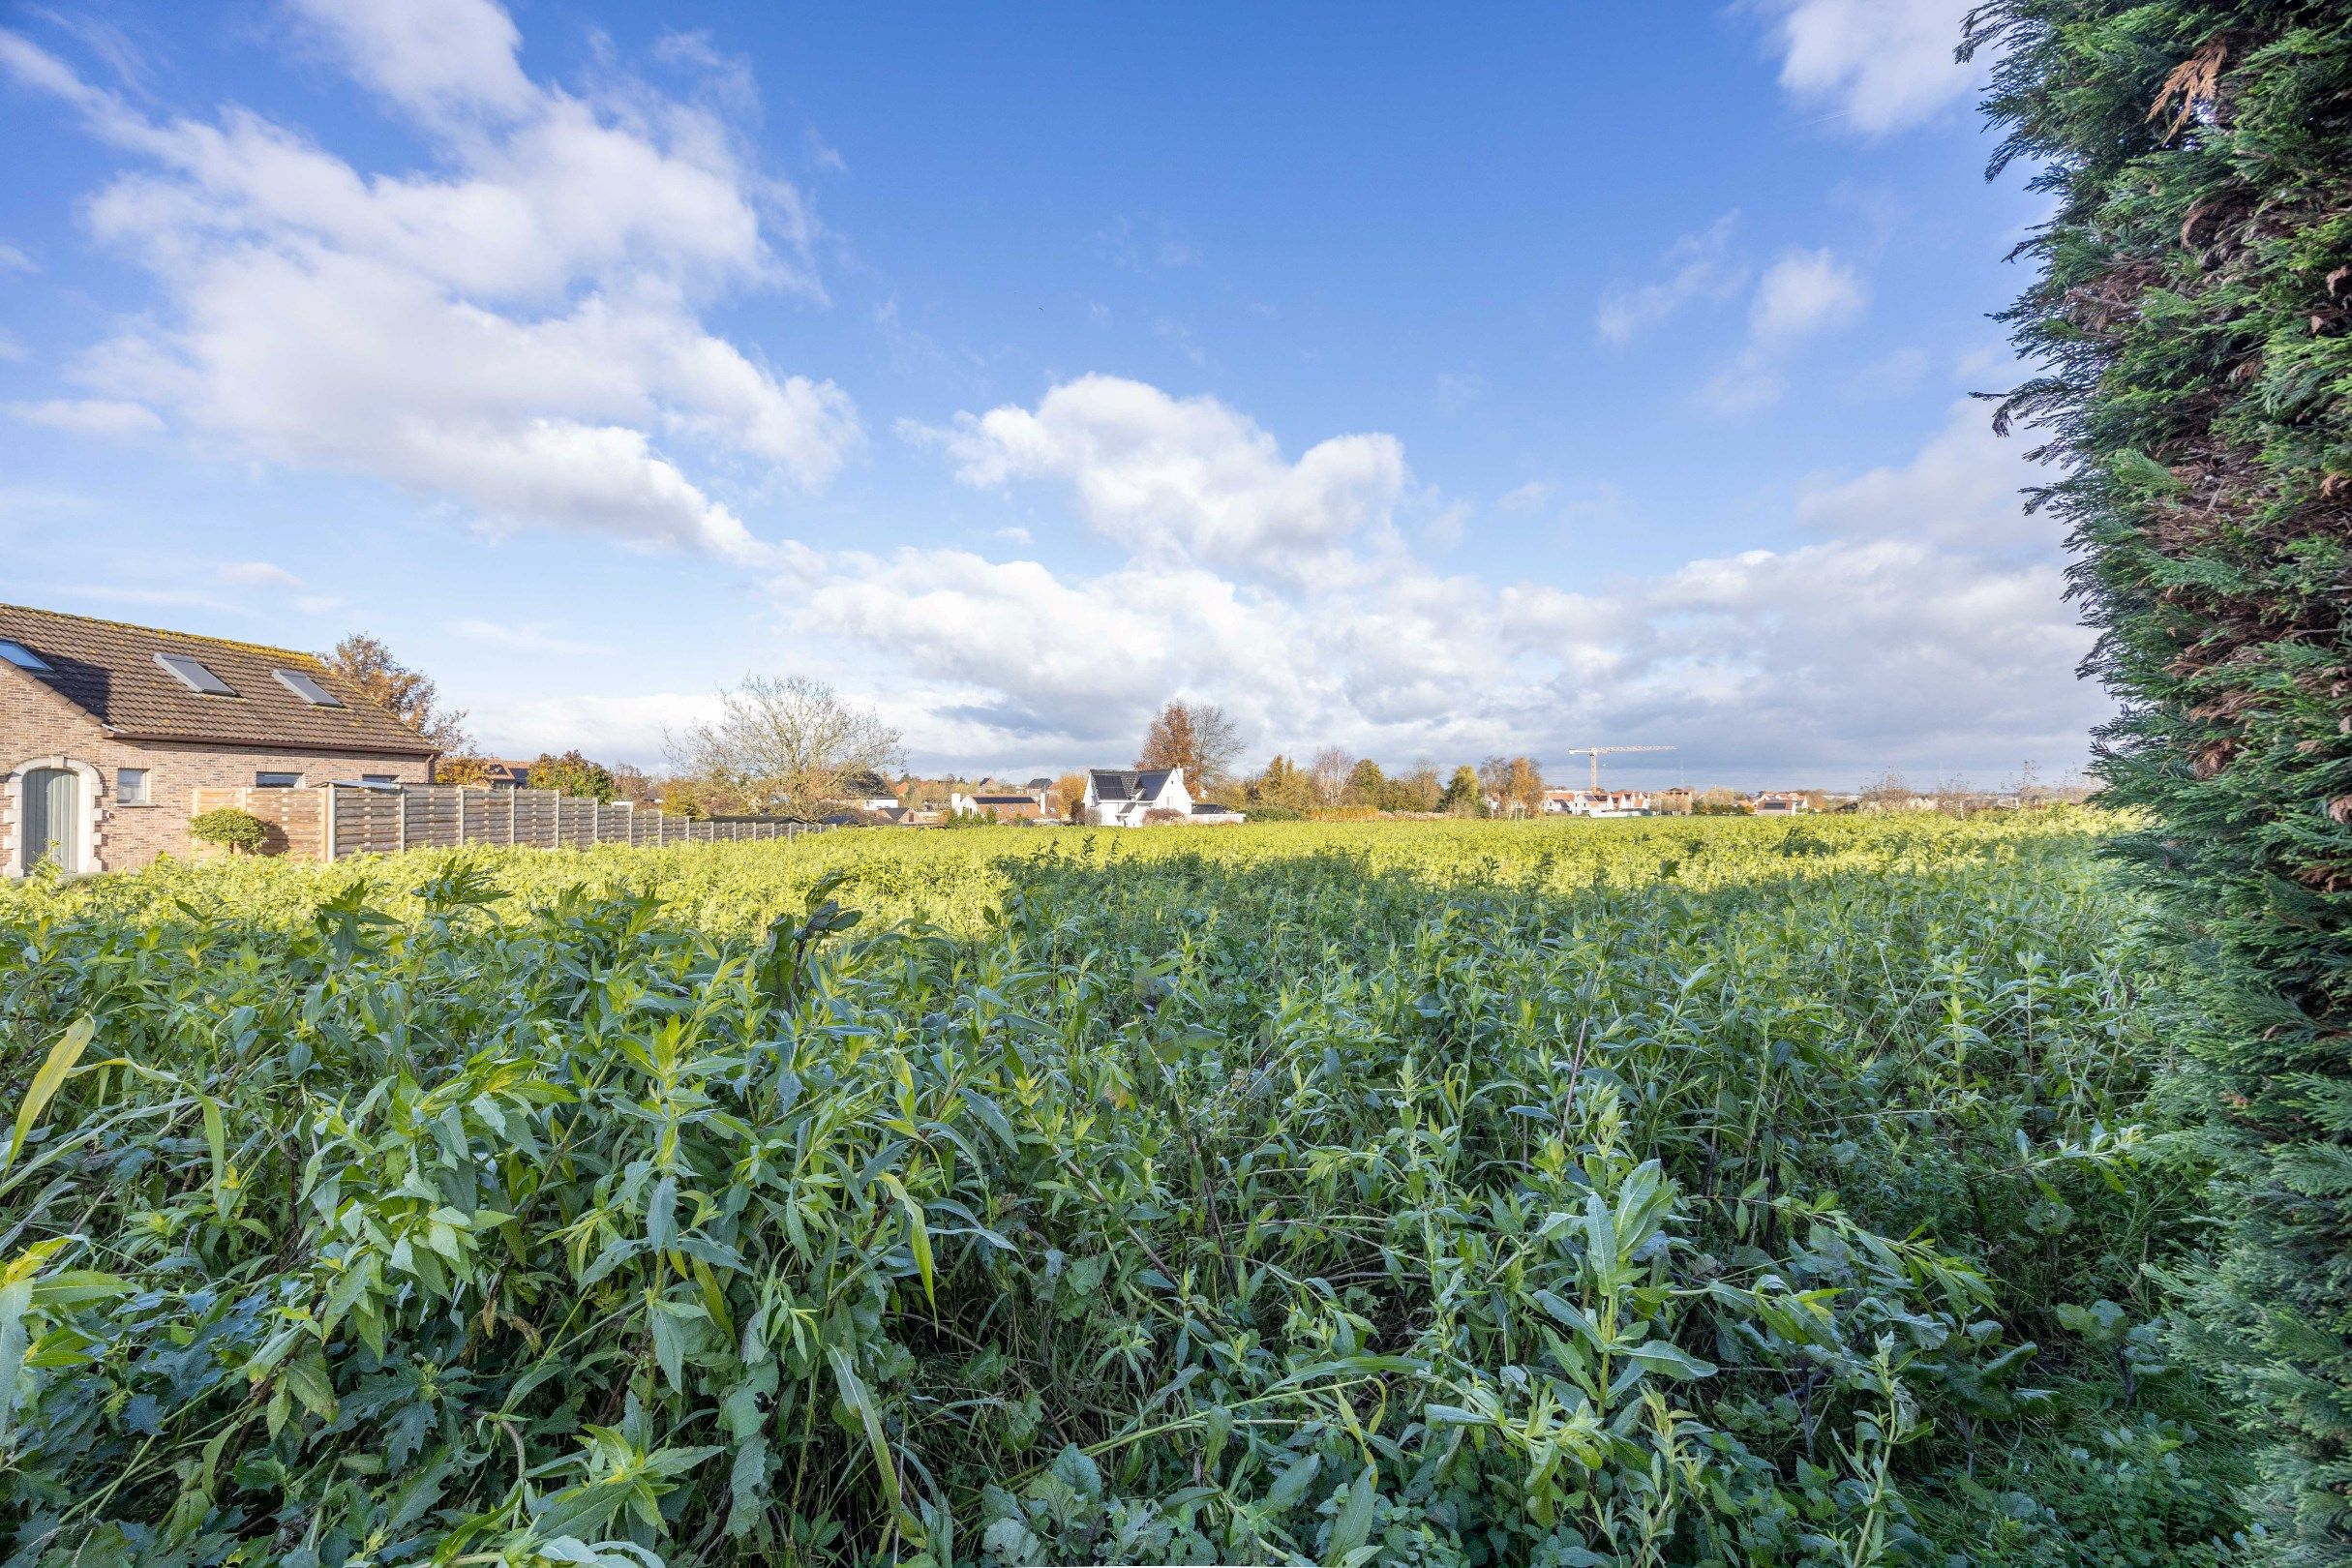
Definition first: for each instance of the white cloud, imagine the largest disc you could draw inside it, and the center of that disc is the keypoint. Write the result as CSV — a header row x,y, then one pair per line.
x,y
1696,267
257,574
1531,497
14,259
1879,65
1960,489
89,416
1804,292
439,60
1924,626
1181,477
514,330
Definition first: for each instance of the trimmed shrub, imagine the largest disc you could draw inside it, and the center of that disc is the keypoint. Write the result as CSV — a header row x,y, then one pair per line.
x,y
240,832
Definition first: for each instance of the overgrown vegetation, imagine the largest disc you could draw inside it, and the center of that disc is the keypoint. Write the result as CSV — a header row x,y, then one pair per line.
x,y
2193,323
1442,1193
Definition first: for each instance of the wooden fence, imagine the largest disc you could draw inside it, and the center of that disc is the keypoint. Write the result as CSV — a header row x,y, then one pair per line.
x,y
335,821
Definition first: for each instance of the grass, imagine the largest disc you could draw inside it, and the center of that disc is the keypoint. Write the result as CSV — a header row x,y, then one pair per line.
x,y
1646,1192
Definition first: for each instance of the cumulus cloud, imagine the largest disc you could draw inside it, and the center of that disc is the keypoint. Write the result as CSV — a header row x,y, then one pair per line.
x,y
1802,294
1878,65
1181,477
1960,489
1923,625
515,330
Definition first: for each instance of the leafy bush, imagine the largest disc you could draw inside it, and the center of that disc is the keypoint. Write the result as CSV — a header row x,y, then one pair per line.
x,y
1437,1194
2193,330
240,832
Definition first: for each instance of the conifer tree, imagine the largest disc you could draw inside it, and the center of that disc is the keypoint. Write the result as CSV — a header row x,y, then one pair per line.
x,y
2190,331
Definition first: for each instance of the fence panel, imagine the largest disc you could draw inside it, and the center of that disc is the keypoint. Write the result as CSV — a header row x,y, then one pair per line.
x,y
335,821
367,822
486,816
535,818
432,816
575,821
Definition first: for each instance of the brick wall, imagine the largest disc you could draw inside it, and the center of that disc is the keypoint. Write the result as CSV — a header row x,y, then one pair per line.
x,y
36,724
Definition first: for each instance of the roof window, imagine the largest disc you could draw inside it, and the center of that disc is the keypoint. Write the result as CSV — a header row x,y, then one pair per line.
x,y
21,656
308,690
193,676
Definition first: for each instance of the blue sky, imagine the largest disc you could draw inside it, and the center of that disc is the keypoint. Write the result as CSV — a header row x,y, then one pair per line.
x,y
1428,384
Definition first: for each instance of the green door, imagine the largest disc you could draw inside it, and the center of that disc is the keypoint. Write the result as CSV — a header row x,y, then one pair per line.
x,y
52,818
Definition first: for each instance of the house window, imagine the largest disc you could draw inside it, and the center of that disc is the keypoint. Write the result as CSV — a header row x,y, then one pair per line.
x,y
21,656
130,786
193,676
308,690
277,781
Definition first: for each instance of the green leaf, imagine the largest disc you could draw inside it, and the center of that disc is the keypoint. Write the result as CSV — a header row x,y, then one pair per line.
x,y
52,1076
1292,1484
1660,1356
1351,1526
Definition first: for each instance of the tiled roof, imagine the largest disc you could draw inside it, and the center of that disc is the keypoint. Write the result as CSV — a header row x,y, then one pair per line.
x,y
108,670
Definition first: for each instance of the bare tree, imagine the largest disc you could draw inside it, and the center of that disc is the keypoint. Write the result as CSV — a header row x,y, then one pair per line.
x,y
1888,789
783,742
1195,736
1329,772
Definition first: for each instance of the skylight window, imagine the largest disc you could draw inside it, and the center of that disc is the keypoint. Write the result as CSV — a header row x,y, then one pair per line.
x,y
308,690
21,656
193,676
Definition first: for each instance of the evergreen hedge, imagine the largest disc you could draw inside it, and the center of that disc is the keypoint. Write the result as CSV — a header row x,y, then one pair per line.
x,y
2191,327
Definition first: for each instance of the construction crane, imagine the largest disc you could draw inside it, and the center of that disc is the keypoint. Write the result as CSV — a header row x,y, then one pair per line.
x,y
1594,752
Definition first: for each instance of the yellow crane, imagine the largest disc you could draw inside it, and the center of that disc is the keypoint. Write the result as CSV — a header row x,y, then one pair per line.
x,y
1594,752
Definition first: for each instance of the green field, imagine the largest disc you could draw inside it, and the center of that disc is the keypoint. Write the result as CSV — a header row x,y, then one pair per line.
x,y
1677,1192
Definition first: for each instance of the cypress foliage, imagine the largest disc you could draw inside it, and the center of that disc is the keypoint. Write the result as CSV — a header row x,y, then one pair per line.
x,y
2192,329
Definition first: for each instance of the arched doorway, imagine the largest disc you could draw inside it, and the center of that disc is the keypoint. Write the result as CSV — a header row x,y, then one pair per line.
x,y
51,811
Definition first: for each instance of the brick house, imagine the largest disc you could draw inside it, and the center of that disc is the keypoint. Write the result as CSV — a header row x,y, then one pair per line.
x,y
107,730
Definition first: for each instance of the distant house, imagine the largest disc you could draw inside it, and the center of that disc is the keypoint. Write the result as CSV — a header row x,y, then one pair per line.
x,y
107,730
1003,804
1147,797
508,773
868,791
1779,803
1596,802
1678,801
1124,796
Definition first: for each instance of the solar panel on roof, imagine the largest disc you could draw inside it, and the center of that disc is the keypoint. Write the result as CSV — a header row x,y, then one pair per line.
x,y
193,676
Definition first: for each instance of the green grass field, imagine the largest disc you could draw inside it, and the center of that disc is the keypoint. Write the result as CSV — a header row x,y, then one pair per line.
x,y
1651,1192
